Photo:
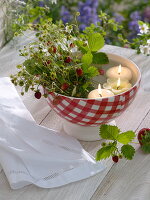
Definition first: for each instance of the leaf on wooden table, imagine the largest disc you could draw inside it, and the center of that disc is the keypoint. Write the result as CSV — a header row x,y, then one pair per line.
x,y
128,151
109,132
126,137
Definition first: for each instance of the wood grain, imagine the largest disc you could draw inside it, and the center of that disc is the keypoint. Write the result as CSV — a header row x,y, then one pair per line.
x,y
129,179
126,180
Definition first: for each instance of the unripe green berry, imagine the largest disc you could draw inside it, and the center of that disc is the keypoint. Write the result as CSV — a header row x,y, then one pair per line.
x,y
103,144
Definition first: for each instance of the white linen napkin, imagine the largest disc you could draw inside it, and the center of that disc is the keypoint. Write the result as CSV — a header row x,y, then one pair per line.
x,y
32,154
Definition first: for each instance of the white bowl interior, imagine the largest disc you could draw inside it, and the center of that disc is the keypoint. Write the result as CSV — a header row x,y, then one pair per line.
x,y
115,60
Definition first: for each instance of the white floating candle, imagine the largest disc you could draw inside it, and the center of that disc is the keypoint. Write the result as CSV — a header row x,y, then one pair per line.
x,y
100,93
118,86
119,71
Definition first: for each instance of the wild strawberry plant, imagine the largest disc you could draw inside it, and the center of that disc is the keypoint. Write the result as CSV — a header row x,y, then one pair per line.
x,y
61,60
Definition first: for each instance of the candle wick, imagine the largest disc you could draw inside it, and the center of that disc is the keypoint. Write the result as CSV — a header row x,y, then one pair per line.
x,y
118,87
100,95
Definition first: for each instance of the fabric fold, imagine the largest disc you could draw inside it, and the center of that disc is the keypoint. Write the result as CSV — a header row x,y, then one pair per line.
x,y
32,154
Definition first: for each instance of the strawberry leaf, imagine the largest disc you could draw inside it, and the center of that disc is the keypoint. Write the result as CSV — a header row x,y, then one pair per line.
x,y
81,46
92,71
109,132
87,58
105,152
95,41
128,151
100,58
126,137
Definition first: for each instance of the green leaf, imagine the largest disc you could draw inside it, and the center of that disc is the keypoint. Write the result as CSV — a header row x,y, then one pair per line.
x,y
30,66
126,137
109,132
87,58
95,41
27,88
81,46
105,152
19,66
84,86
140,23
128,151
92,71
100,58
115,28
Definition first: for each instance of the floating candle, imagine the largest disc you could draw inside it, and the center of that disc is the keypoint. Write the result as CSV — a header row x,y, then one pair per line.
x,y
118,86
119,71
100,93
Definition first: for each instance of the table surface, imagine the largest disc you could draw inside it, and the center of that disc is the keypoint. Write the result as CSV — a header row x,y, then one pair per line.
x,y
126,180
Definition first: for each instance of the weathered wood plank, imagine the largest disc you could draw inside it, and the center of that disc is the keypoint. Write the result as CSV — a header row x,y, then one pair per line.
x,y
128,179
144,64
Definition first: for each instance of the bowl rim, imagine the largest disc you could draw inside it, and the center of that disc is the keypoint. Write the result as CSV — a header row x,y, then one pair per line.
x,y
137,82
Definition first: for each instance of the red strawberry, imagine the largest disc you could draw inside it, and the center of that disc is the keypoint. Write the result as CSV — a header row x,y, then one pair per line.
x,y
38,95
79,72
72,45
115,159
64,86
67,60
142,133
101,72
54,49
48,62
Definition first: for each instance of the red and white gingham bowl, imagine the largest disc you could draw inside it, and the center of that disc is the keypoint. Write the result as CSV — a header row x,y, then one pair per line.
x,y
93,112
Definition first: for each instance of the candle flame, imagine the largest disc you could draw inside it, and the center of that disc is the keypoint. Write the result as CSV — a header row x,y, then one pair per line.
x,y
118,83
119,69
99,90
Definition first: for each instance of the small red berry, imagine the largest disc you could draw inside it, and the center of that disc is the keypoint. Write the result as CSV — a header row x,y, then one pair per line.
x,y
72,45
64,86
67,60
79,72
141,133
38,95
48,62
101,72
115,159
54,49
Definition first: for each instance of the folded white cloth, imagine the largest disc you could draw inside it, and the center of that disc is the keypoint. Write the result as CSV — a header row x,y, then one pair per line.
x,y
32,154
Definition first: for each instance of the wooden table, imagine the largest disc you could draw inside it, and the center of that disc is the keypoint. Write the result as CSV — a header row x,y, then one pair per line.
x,y
127,180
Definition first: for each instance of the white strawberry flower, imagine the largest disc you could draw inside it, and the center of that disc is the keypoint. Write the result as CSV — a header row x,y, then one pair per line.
x,y
145,49
148,42
68,29
143,28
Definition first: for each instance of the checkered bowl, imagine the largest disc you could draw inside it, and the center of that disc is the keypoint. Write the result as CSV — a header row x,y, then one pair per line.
x,y
93,112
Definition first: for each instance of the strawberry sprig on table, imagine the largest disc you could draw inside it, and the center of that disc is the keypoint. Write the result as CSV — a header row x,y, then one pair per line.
x,y
119,144
144,139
